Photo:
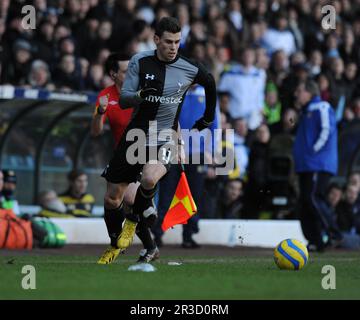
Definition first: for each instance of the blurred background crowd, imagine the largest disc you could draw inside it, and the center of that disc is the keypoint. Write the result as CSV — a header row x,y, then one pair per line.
x,y
257,50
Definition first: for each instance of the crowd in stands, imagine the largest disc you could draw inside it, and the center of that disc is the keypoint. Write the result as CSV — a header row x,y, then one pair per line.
x,y
257,50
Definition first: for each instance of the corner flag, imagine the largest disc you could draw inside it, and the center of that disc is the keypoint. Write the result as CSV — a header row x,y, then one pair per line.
x,y
182,206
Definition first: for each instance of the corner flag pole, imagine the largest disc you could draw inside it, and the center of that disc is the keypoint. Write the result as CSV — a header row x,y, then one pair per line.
x,y
182,167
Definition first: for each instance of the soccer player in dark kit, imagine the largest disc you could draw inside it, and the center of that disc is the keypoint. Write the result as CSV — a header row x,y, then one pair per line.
x,y
155,85
107,108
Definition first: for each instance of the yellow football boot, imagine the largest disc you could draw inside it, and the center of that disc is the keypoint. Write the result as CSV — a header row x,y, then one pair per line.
x,y
109,255
127,234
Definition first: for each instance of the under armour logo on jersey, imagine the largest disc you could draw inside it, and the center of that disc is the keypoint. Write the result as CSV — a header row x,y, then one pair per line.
x,y
180,86
150,76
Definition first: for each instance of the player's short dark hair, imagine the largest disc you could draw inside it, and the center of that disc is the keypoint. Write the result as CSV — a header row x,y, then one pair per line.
x,y
168,24
112,62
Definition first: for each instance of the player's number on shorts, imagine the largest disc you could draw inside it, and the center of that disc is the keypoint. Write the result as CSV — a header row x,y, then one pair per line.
x,y
166,154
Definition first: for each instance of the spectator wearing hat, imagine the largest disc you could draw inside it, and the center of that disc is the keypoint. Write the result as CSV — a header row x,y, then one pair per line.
x,y
52,15
76,199
18,68
8,191
39,76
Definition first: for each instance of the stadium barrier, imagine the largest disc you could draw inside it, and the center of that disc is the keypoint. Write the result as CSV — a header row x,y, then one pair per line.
x,y
238,232
251,233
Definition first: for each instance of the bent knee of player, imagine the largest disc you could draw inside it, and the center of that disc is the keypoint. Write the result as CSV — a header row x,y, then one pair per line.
x,y
111,201
148,181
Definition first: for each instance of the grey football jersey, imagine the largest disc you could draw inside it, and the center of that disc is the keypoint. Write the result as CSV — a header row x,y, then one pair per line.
x,y
171,80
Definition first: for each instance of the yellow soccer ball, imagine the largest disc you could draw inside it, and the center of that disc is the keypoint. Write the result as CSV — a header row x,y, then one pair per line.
x,y
291,254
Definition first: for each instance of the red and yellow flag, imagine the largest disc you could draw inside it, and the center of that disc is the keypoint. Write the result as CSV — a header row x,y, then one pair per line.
x,y
182,206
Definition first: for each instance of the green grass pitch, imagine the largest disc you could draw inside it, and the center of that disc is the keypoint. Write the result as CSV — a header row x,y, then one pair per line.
x,y
239,277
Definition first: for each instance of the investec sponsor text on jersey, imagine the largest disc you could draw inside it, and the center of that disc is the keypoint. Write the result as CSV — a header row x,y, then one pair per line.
x,y
168,100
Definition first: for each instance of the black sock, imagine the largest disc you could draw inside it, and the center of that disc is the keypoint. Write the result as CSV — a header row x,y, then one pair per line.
x,y
113,220
143,200
133,217
143,232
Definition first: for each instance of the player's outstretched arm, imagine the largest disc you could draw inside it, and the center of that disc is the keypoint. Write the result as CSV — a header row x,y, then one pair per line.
x,y
206,79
